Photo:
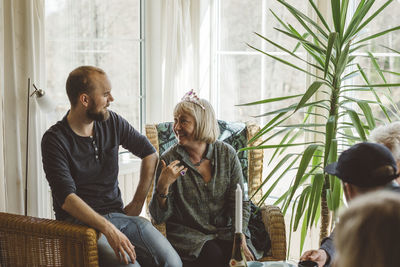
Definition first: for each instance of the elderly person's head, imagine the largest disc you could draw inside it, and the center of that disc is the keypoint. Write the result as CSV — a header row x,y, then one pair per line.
x,y
368,231
194,120
389,136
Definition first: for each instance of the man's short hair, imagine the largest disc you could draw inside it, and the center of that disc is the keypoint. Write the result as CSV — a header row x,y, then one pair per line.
x,y
79,82
206,128
365,165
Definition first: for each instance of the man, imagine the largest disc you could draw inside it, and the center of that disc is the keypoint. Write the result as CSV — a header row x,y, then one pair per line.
x,y
80,159
362,168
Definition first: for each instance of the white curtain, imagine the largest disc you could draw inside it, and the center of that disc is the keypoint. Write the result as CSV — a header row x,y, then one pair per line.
x,y
22,48
179,53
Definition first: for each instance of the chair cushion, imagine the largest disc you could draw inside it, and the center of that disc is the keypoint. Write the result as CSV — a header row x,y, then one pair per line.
x,y
233,133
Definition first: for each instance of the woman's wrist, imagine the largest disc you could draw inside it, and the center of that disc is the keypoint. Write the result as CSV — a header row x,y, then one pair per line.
x,y
161,195
162,189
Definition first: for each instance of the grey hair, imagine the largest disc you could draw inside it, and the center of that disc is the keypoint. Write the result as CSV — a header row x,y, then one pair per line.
x,y
206,129
389,136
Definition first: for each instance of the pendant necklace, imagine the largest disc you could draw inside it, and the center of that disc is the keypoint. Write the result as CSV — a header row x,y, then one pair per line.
x,y
203,158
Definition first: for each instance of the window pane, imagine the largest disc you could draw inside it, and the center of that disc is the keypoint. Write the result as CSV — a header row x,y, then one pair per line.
x,y
100,33
271,22
282,80
240,82
385,63
243,80
387,19
92,18
240,19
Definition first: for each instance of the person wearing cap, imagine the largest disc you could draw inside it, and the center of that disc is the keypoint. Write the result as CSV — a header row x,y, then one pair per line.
x,y
363,168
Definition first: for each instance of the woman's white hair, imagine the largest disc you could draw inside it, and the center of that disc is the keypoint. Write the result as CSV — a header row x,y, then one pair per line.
x,y
206,129
389,136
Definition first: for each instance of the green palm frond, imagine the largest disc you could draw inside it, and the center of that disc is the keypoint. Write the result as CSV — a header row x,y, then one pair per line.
x,y
331,64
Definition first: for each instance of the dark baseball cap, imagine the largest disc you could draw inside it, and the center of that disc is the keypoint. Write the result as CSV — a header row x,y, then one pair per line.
x,y
365,165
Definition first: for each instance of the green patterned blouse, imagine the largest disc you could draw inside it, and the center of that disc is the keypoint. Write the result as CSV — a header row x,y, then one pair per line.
x,y
197,211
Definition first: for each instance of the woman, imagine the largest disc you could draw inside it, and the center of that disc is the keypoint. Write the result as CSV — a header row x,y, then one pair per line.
x,y
368,231
194,192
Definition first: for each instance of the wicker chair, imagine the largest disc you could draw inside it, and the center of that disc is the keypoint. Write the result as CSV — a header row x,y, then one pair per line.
x,y
30,241
272,215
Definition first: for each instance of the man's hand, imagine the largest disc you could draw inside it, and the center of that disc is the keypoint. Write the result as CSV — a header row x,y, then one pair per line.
x,y
247,253
75,206
120,244
319,256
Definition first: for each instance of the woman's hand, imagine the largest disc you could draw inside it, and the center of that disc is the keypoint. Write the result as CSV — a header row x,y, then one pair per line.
x,y
168,175
247,253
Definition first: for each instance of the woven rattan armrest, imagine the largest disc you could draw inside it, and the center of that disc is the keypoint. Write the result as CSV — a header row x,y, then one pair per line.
x,y
31,241
275,225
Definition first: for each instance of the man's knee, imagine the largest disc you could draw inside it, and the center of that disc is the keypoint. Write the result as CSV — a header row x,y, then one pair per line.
x,y
107,255
173,260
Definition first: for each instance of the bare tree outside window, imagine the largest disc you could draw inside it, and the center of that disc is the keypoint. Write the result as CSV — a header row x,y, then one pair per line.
x,y
244,75
105,34
385,58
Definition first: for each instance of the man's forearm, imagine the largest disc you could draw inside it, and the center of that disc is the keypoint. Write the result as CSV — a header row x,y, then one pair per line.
x,y
328,246
76,207
147,172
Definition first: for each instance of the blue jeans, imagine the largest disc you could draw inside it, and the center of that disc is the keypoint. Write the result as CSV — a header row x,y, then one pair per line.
x,y
151,247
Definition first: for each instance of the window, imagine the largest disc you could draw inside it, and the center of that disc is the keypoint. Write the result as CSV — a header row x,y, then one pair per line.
x,y
106,34
387,60
244,75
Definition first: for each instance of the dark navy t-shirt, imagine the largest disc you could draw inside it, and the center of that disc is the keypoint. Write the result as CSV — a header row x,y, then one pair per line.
x,y
88,166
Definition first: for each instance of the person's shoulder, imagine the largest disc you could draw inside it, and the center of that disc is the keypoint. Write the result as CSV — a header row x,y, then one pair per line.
x,y
114,114
171,151
56,134
57,129
222,146
115,119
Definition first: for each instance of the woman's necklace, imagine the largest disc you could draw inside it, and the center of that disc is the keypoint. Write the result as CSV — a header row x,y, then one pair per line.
x,y
203,158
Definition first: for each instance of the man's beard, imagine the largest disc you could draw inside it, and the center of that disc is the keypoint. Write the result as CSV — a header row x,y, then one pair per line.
x,y
97,116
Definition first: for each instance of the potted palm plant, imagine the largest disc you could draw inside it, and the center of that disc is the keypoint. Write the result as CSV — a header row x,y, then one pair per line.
x,y
341,119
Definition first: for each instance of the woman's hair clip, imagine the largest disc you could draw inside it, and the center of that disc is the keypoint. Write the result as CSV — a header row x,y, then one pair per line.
x,y
192,97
